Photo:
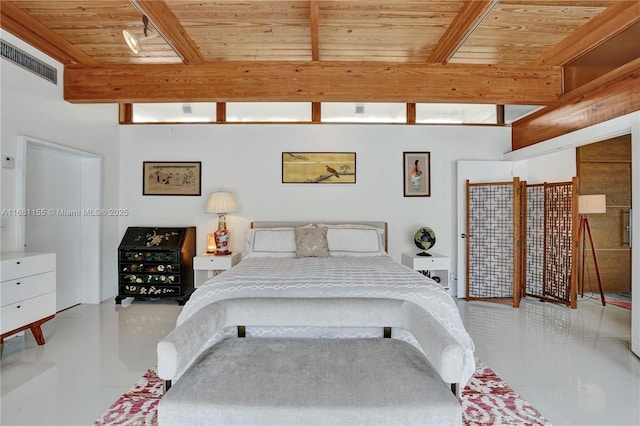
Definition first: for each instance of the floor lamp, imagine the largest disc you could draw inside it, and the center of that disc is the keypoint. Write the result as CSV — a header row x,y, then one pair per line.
x,y
590,204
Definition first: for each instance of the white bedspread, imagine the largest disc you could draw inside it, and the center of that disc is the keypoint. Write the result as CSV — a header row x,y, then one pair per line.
x,y
359,277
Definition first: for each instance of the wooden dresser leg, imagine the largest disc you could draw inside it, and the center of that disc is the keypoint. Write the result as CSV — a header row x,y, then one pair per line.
x,y
37,333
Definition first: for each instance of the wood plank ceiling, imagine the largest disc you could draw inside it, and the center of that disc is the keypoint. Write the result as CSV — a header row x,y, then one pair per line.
x,y
477,51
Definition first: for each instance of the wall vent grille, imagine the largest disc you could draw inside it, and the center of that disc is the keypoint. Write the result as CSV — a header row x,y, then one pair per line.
x,y
29,62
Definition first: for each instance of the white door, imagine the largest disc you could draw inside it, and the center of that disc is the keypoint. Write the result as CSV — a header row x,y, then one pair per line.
x,y
61,185
53,186
478,172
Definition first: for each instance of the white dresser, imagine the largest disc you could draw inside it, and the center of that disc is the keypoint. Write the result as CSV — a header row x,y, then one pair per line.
x,y
27,292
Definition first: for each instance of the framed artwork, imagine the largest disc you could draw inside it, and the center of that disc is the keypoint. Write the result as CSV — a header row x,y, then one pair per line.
x,y
318,167
171,178
417,174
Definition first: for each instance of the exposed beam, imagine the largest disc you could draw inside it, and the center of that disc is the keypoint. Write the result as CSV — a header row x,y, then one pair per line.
x,y
273,81
167,24
20,24
411,113
125,113
316,112
221,112
468,18
314,10
612,21
612,95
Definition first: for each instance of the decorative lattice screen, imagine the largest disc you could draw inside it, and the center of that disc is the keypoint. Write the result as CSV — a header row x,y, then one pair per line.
x,y
547,216
534,240
559,241
492,230
550,228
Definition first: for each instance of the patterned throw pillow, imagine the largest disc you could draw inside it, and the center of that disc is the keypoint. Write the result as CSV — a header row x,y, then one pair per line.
x,y
311,242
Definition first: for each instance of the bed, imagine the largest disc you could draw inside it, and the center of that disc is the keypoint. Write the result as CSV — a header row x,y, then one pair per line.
x,y
315,281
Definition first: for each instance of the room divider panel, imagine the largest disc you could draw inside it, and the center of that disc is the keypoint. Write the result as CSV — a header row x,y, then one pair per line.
x,y
533,239
550,217
493,242
522,240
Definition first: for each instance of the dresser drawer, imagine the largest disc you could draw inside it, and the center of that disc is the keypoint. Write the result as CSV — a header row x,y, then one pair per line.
x,y
13,291
430,263
24,264
27,311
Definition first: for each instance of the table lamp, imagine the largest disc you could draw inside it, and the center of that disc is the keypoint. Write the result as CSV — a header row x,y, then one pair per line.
x,y
221,203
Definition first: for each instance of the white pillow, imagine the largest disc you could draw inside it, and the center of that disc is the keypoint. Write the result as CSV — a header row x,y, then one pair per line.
x,y
271,242
355,240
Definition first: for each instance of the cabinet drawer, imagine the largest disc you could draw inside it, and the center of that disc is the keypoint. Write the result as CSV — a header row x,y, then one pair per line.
x,y
149,290
149,267
29,264
212,263
146,279
13,291
27,311
149,256
430,263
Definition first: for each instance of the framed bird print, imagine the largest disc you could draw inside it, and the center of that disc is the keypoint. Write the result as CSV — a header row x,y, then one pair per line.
x,y
319,167
417,174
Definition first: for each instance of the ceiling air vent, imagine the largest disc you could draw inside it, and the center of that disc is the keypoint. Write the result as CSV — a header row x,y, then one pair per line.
x,y
29,62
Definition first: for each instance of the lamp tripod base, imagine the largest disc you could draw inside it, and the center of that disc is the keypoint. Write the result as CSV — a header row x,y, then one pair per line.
x,y
585,228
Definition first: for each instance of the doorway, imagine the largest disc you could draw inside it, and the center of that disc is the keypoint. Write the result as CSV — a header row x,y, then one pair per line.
x,y
605,168
63,185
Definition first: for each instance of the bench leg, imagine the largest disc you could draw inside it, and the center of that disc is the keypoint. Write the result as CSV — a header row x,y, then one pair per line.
x,y
455,388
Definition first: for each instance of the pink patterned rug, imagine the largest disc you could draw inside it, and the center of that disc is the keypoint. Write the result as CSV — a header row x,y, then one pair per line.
x,y
486,400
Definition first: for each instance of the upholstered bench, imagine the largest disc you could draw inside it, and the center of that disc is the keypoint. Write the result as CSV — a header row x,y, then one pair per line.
x,y
310,382
278,381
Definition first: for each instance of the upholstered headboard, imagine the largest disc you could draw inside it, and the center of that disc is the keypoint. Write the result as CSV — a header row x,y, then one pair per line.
x,y
277,224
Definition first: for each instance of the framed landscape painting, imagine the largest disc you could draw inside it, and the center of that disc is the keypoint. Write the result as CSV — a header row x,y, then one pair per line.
x,y
171,178
318,167
417,174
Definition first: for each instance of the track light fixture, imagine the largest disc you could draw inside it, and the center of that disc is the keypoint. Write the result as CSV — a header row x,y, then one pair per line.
x,y
133,41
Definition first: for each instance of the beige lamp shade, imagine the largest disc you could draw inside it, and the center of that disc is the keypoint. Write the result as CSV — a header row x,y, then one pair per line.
x,y
592,204
221,202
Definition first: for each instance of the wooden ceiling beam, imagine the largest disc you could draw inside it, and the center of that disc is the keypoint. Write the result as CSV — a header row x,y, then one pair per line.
x,y
612,95
313,82
20,24
167,24
466,21
611,22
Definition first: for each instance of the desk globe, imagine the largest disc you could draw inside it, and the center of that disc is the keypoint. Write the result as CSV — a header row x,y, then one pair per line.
x,y
424,239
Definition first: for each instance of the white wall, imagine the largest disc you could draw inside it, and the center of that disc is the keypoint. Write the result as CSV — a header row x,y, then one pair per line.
x,y
34,107
558,166
246,160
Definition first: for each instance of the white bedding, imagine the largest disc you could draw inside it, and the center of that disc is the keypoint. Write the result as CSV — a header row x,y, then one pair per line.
x,y
330,277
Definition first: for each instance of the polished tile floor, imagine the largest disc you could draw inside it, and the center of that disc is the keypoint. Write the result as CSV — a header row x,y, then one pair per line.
x,y
575,366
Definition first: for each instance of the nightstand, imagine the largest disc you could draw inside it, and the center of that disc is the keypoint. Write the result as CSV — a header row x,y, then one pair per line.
x,y
206,266
432,266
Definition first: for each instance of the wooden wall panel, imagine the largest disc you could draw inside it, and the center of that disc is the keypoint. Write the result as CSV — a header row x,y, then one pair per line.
x,y
614,277
609,229
615,149
607,178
